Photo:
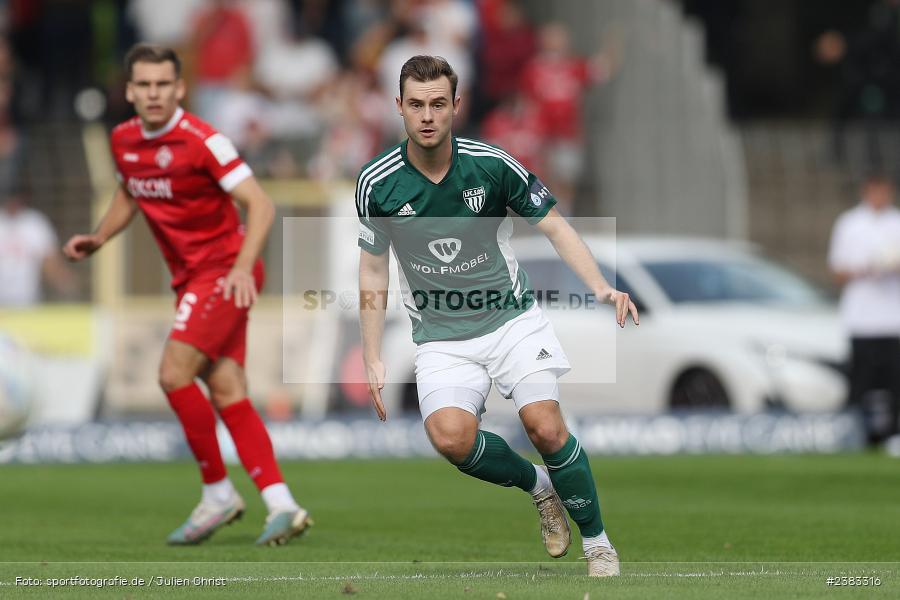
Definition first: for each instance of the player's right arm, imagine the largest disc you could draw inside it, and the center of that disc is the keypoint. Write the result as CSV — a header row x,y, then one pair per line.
x,y
373,286
117,217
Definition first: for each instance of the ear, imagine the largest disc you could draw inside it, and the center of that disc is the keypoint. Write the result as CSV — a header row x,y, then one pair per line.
x,y
179,89
129,93
457,102
399,105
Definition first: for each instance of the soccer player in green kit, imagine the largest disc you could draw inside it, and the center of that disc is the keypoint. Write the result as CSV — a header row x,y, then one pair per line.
x,y
441,204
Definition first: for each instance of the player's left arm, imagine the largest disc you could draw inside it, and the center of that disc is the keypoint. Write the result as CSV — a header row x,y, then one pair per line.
x,y
260,215
572,249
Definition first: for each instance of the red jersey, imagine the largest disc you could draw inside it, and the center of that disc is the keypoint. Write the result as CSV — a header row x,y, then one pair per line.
x,y
557,85
181,176
518,129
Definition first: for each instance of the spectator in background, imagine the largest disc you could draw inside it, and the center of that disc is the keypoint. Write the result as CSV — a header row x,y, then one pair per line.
x,y
293,73
223,50
414,20
865,259
517,127
556,80
64,27
323,19
165,22
10,139
449,22
870,74
28,253
363,16
355,125
507,44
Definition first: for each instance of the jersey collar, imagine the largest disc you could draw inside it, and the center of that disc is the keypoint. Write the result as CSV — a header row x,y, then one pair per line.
x,y
453,161
149,135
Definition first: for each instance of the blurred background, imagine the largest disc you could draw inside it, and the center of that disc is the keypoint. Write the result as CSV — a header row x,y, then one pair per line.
x,y
724,136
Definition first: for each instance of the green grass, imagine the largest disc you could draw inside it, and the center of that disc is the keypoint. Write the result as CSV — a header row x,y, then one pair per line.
x,y
685,527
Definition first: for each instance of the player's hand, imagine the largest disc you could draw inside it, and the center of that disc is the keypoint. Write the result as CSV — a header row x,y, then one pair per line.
x,y
624,306
241,284
375,372
81,246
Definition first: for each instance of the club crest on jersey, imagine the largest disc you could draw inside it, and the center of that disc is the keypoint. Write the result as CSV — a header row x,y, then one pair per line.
x,y
164,157
474,198
445,249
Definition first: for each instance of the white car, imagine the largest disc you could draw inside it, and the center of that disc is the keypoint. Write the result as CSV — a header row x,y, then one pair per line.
x,y
720,328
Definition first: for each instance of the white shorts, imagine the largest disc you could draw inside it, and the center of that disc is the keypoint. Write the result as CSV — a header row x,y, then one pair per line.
x,y
524,345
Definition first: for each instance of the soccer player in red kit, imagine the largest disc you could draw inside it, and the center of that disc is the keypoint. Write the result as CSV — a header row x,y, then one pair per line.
x,y
182,175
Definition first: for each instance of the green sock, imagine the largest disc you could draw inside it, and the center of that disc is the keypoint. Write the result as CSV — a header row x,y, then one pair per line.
x,y
491,459
571,475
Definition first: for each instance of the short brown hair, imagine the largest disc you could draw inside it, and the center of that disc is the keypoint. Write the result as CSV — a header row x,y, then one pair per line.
x,y
151,53
423,68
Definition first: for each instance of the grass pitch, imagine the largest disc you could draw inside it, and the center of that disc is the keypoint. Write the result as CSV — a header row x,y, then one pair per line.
x,y
685,527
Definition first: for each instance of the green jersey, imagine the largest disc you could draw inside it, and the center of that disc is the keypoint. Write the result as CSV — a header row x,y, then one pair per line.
x,y
458,275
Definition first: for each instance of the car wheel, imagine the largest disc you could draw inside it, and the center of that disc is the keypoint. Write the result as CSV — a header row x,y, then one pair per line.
x,y
698,388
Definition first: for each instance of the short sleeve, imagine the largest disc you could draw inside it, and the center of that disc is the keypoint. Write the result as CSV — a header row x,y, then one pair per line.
x,y
116,156
527,195
374,236
222,161
841,255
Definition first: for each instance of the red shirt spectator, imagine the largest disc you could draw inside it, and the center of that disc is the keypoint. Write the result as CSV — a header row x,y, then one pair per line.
x,y
508,44
556,81
517,127
223,42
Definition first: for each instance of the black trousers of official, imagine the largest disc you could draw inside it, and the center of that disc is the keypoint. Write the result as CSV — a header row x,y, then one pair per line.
x,y
875,384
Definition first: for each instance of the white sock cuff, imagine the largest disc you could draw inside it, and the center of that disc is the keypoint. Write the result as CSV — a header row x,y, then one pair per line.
x,y
542,482
218,492
597,541
278,498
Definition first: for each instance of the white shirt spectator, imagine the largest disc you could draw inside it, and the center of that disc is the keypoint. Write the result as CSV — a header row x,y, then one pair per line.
x,y
866,240
26,239
450,22
278,67
402,49
165,22
270,19
293,111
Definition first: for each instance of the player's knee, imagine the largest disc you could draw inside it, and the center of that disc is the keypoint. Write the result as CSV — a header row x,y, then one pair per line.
x,y
548,436
454,450
172,378
454,444
223,398
225,391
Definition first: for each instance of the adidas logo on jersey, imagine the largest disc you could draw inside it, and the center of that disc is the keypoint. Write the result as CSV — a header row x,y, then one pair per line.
x,y
406,211
543,354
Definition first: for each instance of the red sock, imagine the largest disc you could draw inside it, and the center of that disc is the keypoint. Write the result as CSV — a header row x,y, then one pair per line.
x,y
199,422
252,442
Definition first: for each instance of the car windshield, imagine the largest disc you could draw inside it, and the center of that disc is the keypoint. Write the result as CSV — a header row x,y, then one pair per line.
x,y
551,275
547,275
732,280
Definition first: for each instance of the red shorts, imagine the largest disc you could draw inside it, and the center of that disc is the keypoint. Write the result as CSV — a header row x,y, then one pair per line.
x,y
204,320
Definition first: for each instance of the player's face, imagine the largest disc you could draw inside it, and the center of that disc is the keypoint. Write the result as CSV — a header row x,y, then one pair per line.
x,y
879,194
155,91
428,108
